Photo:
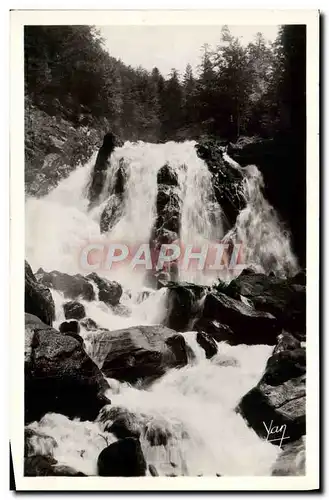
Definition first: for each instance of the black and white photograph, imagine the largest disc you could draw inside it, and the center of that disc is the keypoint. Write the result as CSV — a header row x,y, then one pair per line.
x,y
167,231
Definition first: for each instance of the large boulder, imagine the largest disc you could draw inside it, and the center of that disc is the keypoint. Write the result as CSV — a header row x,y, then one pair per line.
x,y
283,298
108,291
73,287
246,325
38,298
74,310
278,400
123,458
59,376
38,443
139,352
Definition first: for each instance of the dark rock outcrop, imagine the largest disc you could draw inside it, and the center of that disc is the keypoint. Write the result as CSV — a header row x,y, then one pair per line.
x,y
124,458
286,342
140,352
207,343
166,228
74,310
59,376
126,424
216,330
109,291
279,398
69,327
43,465
246,325
157,433
73,287
110,141
283,298
38,298
291,460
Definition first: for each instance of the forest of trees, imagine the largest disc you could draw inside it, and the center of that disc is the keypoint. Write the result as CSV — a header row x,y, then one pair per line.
x,y
238,90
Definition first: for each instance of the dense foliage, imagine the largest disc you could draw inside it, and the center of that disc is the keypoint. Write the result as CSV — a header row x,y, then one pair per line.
x,y
238,90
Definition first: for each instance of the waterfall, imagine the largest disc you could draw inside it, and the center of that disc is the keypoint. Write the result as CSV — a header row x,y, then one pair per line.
x,y
195,405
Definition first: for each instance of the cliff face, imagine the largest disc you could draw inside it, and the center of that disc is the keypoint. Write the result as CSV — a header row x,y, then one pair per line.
x,y
54,147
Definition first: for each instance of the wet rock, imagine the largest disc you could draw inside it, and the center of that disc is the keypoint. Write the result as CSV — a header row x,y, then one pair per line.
x,y
124,458
182,304
216,330
299,278
153,471
140,352
109,291
283,365
283,298
89,324
39,465
38,443
38,298
73,287
247,325
178,347
279,398
276,159
120,421
125,426
227,181
120,179
111,213
291,460
167,175
59,376
157,433
69,327
110,141
207,343
74,310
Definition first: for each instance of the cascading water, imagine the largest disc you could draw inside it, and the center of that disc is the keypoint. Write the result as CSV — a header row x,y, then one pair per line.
x,y
193,406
